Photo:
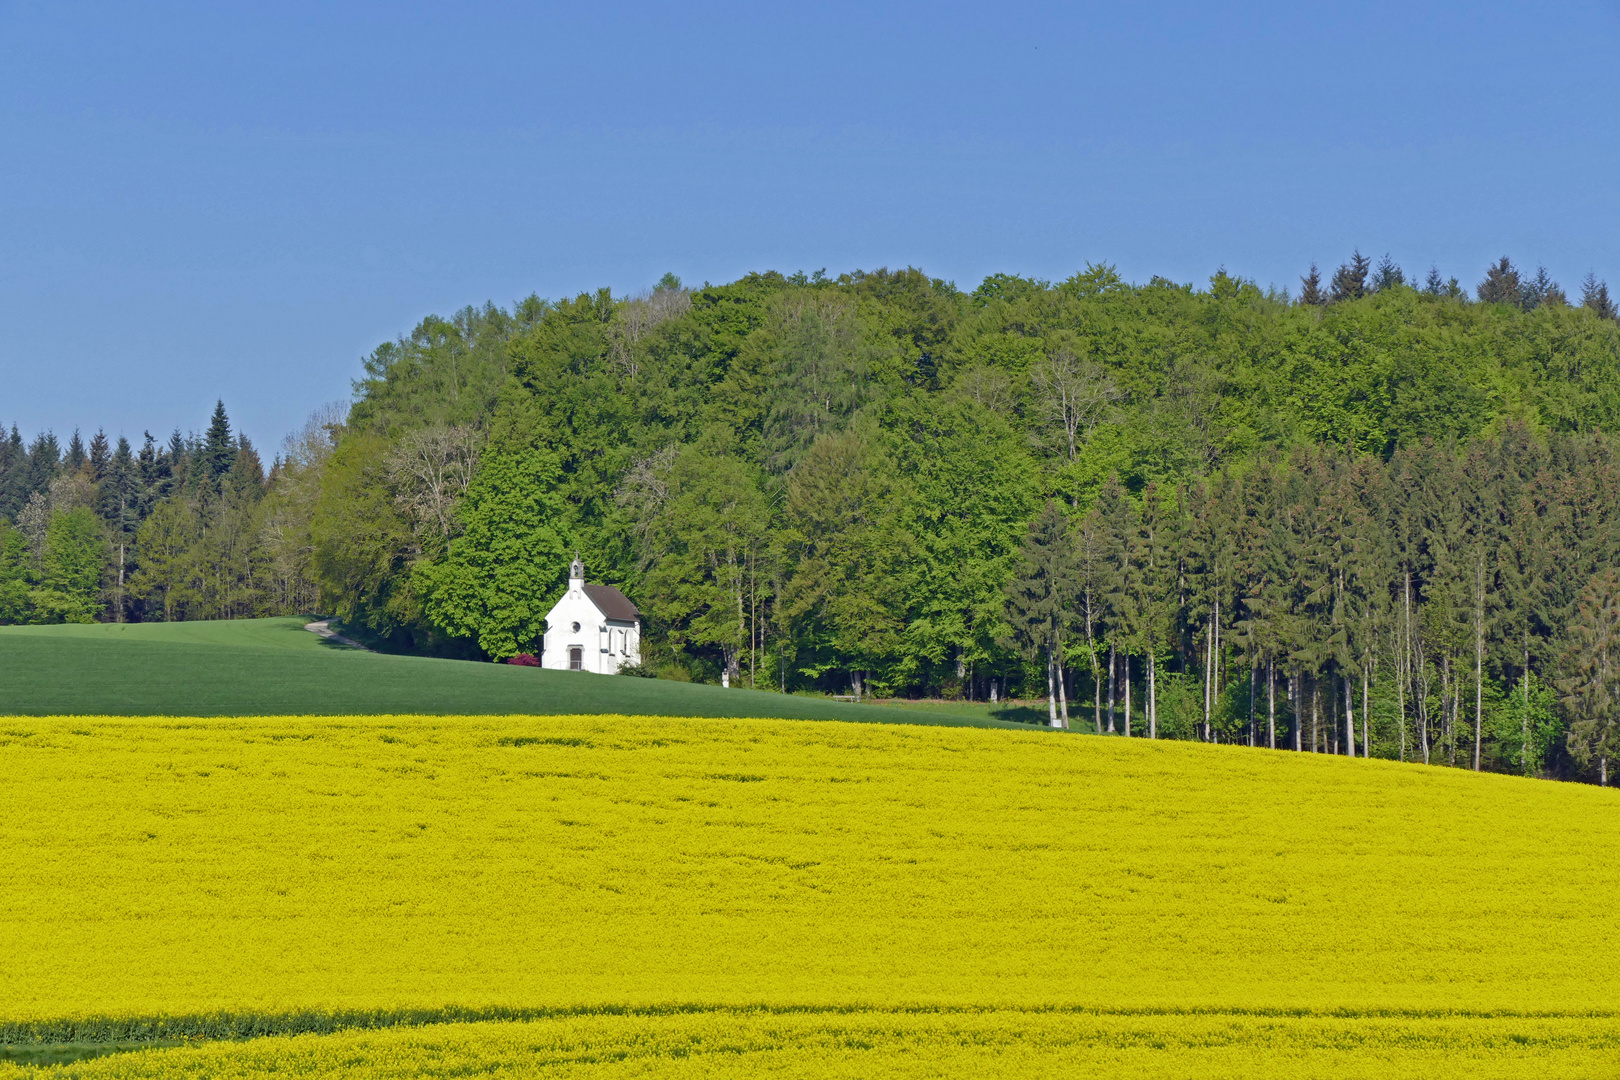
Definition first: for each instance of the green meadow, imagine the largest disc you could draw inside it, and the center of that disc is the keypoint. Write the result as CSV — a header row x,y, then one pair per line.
x,y
274,667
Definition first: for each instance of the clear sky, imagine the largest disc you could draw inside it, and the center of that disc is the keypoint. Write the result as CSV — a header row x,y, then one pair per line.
x,y
239,201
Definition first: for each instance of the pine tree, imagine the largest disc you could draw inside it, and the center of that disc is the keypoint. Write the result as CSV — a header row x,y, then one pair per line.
x,y
1595,297
1310,291
1501,285
1350,279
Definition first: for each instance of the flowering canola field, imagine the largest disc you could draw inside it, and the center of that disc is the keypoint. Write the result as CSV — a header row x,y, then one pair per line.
x,y
618,896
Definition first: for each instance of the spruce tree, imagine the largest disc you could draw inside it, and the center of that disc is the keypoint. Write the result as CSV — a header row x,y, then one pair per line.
x,y
218,449
13,475
1350,279
1595,296
1388,275
100,455
1310,288
1040,596
1501,285
75,458
1590,688
1542,289
44,462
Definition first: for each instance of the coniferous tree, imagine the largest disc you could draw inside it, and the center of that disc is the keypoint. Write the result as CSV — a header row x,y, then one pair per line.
x,y
1350,279
1501,285
1542,289
44,461
1590,687
1387,275
1595,297
1040,598
1310,288
75,458
100,455
13,475
218,450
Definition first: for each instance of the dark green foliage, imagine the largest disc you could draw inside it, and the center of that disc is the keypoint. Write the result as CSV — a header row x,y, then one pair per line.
x,y
1501,285
1594,297
1350,280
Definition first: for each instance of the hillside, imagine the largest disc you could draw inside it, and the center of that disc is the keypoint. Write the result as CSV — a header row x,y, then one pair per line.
x,y
273,667
644,896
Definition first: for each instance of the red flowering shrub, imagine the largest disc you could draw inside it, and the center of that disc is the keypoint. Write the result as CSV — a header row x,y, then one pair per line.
x,y
524,659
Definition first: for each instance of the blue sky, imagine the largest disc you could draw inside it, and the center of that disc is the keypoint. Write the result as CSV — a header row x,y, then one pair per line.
x,y
209,200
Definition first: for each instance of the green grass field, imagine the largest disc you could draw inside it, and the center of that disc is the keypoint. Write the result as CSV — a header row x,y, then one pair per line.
x,y
274,667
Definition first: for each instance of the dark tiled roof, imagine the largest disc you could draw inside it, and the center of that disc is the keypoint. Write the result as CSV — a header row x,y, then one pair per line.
x,y
612,603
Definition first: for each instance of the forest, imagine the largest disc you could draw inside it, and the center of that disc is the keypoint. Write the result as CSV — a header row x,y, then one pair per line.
x,y
1375,515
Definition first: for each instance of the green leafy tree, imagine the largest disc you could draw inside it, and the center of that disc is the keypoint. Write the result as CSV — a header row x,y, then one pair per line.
x,y
503,573
704,546
70,568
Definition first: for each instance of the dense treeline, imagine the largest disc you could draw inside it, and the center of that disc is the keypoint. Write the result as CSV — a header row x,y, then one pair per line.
x,y
191,529
1365,516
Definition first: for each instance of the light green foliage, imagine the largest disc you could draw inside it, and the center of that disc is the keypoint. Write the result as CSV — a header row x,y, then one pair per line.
x,y
704,545
502,574
70,568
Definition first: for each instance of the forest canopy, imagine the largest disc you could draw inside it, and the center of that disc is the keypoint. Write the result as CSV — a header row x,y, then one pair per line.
x,y
1370,515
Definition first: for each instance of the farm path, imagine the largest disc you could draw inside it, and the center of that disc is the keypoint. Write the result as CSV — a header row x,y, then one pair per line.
x,y
324,629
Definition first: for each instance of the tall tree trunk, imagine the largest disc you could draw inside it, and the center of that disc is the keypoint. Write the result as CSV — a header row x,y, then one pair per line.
x,y
1479,686
1349,716
1524,723
1127,695
1271,703
1252,666
1113,685
1096,693
1209,678
1297,681
1051,693
1316,713
1153,693
1366,714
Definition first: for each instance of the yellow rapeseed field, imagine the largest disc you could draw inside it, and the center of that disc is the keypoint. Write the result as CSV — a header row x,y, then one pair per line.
x,y
716,897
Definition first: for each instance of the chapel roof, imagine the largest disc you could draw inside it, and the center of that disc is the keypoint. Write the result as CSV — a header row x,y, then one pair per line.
x,y
612,603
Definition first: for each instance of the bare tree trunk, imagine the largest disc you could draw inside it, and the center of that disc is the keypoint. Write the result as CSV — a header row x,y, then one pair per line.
x,y
1153,694
1366,714
1209,678
1127,695
1349,717
1251,701
1524,724
1051,693
1096,693
1297,680
1316,714
1479,686
1271,703
1113,684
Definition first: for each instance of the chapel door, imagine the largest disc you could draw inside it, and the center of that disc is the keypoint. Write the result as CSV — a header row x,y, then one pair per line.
x,y
576,658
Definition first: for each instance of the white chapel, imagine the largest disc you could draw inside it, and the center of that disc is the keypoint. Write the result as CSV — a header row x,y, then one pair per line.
x,y
592,628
